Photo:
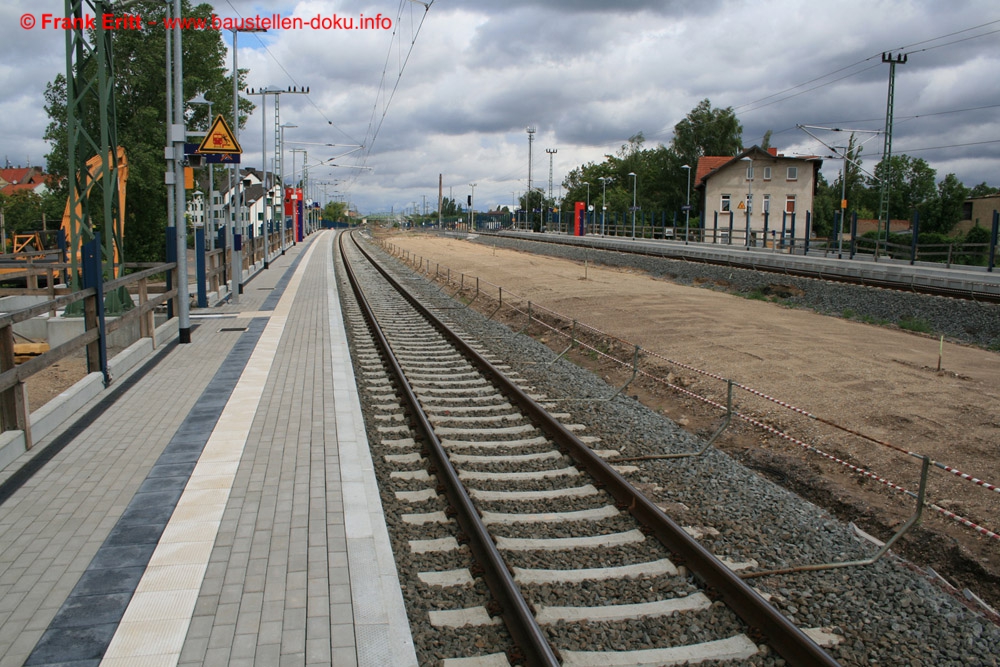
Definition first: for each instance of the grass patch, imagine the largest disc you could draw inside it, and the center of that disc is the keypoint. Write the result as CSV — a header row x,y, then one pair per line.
x,y
915,324
868,319
758,295
848,314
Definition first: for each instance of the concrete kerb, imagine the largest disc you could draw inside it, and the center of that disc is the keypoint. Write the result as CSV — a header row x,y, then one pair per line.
x,y
61,408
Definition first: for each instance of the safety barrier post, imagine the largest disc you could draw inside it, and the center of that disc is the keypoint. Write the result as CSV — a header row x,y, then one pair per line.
x,y
199,256
173,305
93,307
14,410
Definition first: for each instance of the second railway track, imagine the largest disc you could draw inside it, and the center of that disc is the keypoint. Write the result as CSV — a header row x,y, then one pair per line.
x,y
499,487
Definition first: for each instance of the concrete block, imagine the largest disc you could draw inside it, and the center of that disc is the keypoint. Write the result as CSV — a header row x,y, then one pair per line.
x,y
48,417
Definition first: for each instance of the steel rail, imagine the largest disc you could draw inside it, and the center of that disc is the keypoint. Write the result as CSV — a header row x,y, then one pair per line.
x,y
517,614
781,634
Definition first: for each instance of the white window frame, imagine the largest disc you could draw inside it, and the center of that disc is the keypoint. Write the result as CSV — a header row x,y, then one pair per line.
x,y
793,173
789,204
725,203
767,173
750,173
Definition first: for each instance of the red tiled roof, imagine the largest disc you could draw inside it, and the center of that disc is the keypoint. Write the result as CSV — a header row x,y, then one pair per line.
x,y
15,174
707,164
11,188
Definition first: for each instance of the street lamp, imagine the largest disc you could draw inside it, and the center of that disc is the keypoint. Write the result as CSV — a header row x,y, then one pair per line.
x,y
635,180
604,199
749,205
687,206
472,207
843,204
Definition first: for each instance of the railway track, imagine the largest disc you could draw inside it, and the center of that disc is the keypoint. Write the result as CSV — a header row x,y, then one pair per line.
x,y
753,260
510,514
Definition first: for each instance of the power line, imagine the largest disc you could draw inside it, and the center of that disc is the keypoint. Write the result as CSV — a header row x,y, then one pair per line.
x,y
861,62
950,34
937,148
372,134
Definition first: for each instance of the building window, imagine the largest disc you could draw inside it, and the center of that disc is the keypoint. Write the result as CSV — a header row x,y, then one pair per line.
x,y
750,173
748,204
767,173
793,173
790,204
767,203
724,206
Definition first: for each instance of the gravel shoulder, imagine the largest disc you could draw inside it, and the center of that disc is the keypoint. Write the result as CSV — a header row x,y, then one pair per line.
x,y
880,381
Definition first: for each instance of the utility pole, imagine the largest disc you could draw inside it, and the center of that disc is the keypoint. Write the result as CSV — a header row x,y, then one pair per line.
x,y
883,206
276,176
531,129
551,152
843,205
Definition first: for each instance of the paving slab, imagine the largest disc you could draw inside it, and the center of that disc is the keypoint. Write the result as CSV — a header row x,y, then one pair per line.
x,y
199,517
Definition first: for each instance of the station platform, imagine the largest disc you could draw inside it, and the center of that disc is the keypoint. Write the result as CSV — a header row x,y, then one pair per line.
x,y
215,505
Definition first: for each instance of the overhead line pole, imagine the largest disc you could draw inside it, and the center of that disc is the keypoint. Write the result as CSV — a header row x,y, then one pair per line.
x,y
883,206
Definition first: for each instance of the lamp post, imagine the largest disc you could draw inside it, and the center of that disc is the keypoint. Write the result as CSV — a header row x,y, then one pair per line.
x,y
749,206
687,206
588,200
604,199
472,207
843,204
635,180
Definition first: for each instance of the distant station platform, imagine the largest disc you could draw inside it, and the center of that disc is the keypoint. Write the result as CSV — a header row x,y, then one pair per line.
x,y
216,505
972,280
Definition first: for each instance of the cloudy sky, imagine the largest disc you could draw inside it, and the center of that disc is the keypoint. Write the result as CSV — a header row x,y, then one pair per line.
x,y
587,74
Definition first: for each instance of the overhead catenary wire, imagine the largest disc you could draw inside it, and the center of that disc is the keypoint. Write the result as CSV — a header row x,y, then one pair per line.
x,y
375,127
756,104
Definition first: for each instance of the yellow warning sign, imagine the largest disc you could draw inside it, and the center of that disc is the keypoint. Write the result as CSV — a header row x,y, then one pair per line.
x,y
219,139
742,206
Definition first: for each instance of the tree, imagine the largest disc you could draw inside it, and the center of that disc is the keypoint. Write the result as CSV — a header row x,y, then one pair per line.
x,y
140,99
660,182
983,190
448,207
707,131
943,212
911,185
335,211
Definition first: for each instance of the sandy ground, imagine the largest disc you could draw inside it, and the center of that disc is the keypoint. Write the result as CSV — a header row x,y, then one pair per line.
x,y
878,381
